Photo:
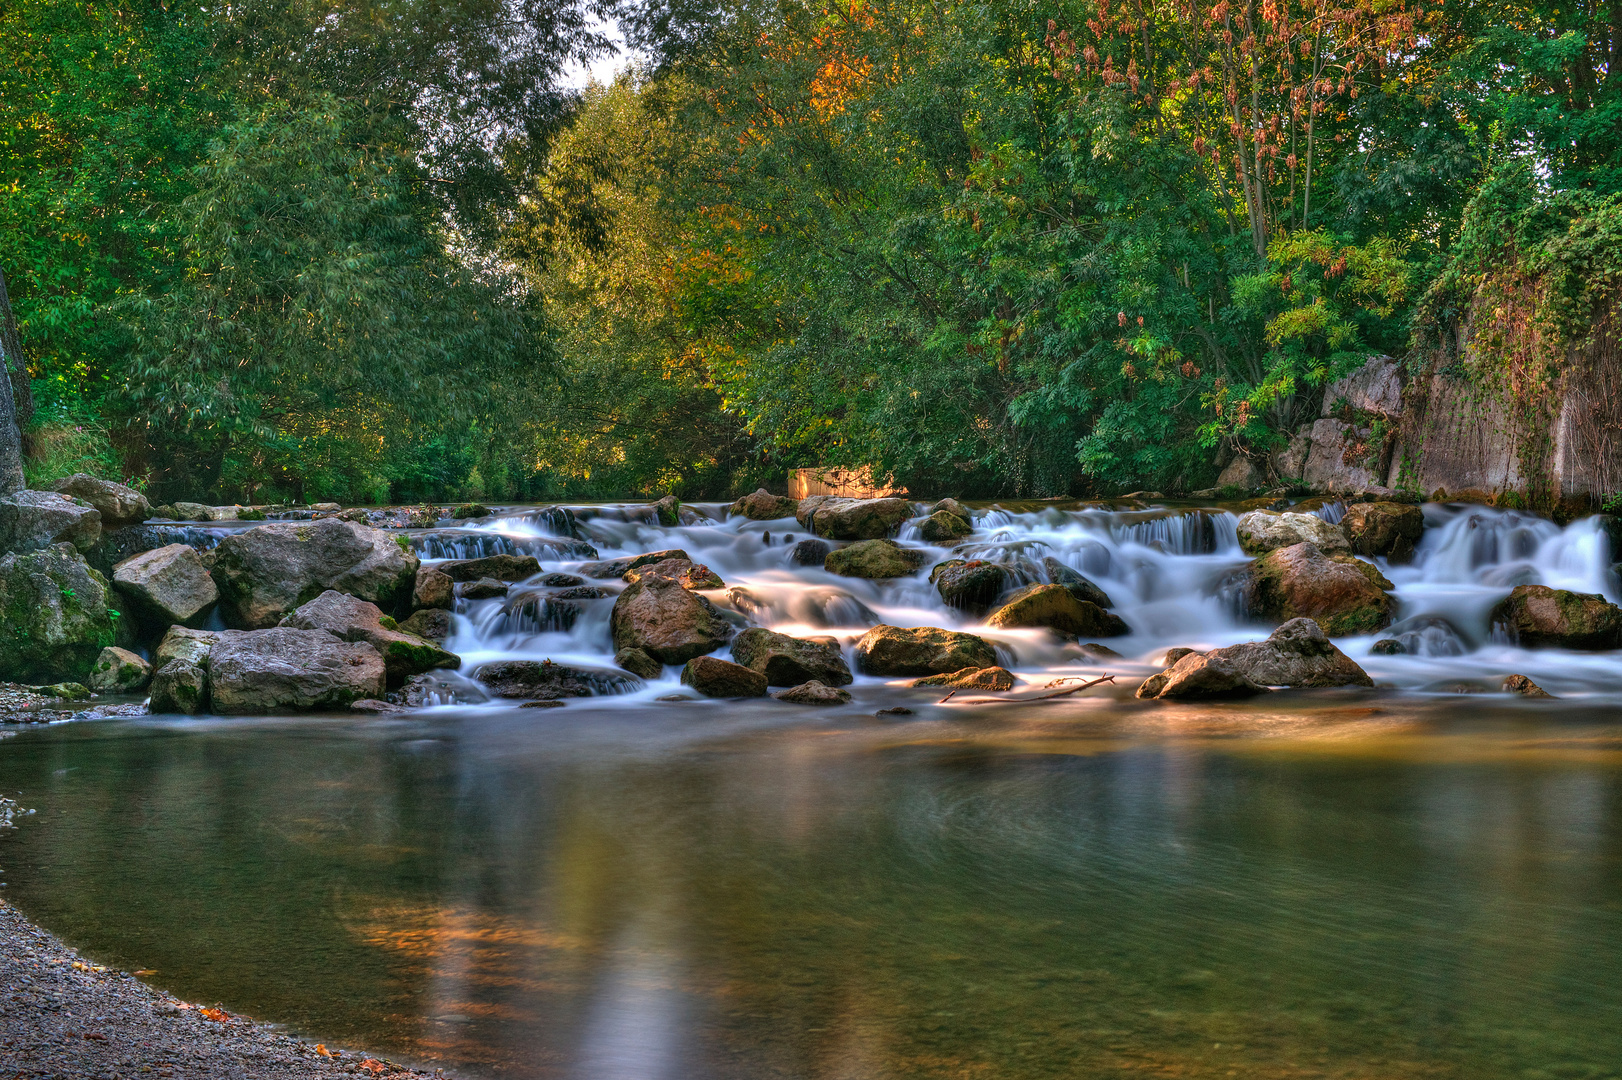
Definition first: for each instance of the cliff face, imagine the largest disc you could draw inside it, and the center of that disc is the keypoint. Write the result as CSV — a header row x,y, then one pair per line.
x,y
1505,405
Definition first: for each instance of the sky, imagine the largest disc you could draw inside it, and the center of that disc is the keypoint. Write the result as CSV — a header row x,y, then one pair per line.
x,y
604,68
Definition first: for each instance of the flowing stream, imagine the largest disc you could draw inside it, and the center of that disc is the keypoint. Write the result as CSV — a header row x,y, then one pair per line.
x,y
1349,884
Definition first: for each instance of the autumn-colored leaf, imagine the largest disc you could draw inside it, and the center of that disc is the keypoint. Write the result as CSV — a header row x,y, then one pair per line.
x,y
219,1016
374,1066
321,1048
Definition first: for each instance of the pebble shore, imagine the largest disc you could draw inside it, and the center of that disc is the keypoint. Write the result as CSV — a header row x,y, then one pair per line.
x,y
64,1018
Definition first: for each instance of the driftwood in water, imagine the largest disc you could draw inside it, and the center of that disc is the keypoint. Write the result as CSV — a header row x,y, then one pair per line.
x,y
1045,697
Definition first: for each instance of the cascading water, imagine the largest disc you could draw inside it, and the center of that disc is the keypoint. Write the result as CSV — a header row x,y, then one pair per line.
x,y
1164,569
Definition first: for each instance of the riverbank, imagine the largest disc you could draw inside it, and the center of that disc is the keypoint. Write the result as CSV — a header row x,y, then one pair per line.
x,y
65,1018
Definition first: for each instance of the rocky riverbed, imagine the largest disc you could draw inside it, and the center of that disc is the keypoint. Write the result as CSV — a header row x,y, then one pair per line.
x,y
62,1016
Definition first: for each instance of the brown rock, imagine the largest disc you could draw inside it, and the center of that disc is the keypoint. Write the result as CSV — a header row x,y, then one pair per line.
x,y
434,589
923,650
877,559
789,661
1197,677
1520,684
836,518
1343,594
764,506
508,568
1383,528
813,693
689,574
986,678
1540,617
1056,608
722,678
667,622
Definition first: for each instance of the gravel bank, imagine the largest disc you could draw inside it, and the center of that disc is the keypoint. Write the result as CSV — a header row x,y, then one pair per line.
x,y
65,1018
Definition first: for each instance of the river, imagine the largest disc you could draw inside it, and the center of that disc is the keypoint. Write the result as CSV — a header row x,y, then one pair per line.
x,y
1398,882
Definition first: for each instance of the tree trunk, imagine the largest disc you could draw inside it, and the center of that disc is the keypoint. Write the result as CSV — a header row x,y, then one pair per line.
x,y
11,347
11,358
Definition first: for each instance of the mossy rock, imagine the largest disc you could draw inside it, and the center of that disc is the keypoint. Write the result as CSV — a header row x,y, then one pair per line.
x,y
1343,594
1540,617
54,619
875,559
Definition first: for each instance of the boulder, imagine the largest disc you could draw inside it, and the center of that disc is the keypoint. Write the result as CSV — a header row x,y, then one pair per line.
x,y
875,559
668,511
1290,460
666,621
118,671
1388,647
542,680
1342,593
813,693
349,619
972,586
1203,677
167,585
618,568
923,650
1376,387
789,661
1080,587
1242,473
1056,608
638,663
180,686
809,553
944,527
118,505
281,670
836,518
1174,655
953,507
986,678
189,511
722,678
507,568
430,624
1297,654
483,589
560,581
1520,684
269,570
30,520
690,574
764,506
54,620
1261,531
433,588
464,511
1537,616
184,643
1383,528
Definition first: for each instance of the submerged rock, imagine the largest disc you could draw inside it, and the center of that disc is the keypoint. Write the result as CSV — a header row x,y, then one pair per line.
x,y
764,506
1383,528
813,693
508,568
1198,676
617,568
543,680
54,620
1080,587
482,589
349,619
118,505
789,661
118,671
1261,531
285,669
31,520
1520,684
836,518
922,650
875,559
689,574
986,678
1297,654
1387,647
809,553
180,686
166,586
717,678
433,589
1342,593
668,510
1056,608
972,586
667,622
1540,617
942,526
639,663
269,570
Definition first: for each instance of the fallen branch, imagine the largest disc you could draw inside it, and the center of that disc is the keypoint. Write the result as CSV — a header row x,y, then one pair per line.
x,y
1044,697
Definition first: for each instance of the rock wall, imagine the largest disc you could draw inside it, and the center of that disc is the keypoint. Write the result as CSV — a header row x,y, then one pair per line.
x,y
1499,409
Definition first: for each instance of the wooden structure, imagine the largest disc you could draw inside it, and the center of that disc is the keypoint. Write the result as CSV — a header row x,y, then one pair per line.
x,y
848,483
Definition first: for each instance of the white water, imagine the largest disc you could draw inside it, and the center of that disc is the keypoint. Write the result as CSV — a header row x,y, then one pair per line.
x,y
1163,569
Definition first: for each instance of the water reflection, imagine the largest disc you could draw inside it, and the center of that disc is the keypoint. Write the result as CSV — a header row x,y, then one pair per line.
x,y
1345,886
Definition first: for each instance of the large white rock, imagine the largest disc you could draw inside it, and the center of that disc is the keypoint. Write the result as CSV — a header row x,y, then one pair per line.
x,y
284,670
266,572
1261,531
167,585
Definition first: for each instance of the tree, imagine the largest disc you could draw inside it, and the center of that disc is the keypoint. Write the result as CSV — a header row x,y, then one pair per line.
x,y
11,360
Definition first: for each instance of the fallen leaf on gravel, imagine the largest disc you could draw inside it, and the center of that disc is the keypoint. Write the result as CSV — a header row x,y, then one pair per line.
x,y
219,1016
372,1065
321,1048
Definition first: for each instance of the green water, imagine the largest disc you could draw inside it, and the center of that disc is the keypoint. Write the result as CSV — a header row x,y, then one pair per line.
x,y
1406,890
